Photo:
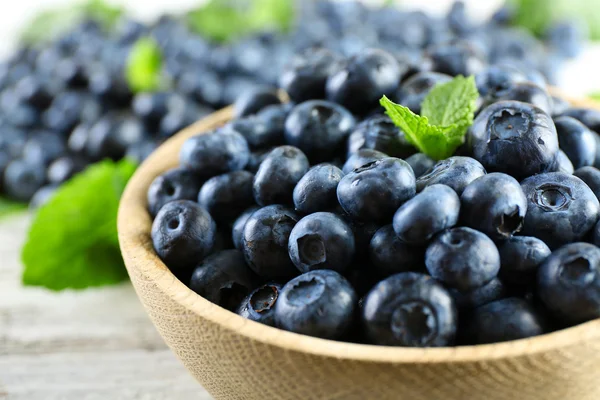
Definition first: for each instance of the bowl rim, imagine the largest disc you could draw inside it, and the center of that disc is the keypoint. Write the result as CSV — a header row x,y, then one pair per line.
x,y
134,225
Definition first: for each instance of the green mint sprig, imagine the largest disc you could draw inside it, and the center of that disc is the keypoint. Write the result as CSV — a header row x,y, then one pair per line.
x,y
72,242
143,70
447,112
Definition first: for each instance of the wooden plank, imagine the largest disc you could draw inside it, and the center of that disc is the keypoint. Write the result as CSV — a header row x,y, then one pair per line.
x,y
79,345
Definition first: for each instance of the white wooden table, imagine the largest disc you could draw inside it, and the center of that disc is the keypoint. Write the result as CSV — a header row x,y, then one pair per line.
x,y
96,344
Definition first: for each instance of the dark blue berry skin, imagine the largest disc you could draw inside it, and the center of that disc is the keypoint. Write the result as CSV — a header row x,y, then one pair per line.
x,y
183,233
420,163
460,58
175,184
151,107
374,191
559,106
318,303
63,168
316,191
496,79
44,147
588,116
22,179
569,283
273,117
321,241
561,208
226,196
491,291
252,101
525,92
237,230
256,158
562,164
305,77
259,305
42,196
566,37
577,141
413,91
495,205
278,174
411,310
379,133
319,128
215,153
520,258
456,172
591,177
140,151
102,140
256,132
12,140
501,321
223,278
436,208
515,138
361,82
360,158
389,255
462,258
265,242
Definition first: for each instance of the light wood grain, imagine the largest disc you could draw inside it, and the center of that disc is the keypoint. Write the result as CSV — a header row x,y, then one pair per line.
x,y
96,344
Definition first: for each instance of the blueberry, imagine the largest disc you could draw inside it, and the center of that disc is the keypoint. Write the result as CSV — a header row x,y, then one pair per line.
x,y
412,92
183,233
374,191
318,303
42,196
462,258
525,92
43,148
256,158
501,321
559,106
204,86
22,179
252,101
361,82
515,138
226,196
278,174
562,164
591,177
33,91
260,305
140,151
362,157
496,79
175,184
436,208
495,205
321,241
12,140
577,141
318,128
237,230
78,139
561,208
102,139
223,278
456,172
491,291
566,37
520,258
255,132
265,242
420,163
215,153
459,58
590,117
389,255
316,191
411,310
62,169
305,77
151,107
379,133
273,117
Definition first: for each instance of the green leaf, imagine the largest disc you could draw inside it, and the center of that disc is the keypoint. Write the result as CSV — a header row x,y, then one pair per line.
x,y
144,66
51,23
8,207
228,20
447,112
594,96
72,242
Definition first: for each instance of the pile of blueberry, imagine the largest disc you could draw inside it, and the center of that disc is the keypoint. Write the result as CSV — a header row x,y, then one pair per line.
x,y
66,104
317,216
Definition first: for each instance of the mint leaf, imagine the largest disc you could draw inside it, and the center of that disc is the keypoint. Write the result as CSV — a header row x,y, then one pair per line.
x,y
51,23
242,18
144,66
448,112
8,207
452,102
72,242
594,96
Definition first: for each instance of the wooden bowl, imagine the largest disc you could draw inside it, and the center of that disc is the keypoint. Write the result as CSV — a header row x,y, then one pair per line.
x,y
237,359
